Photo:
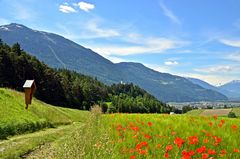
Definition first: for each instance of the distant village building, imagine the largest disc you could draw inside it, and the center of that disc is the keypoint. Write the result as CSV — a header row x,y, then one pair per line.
x,y
29,88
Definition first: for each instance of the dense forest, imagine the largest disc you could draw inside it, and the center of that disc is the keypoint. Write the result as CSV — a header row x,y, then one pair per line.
x,y
71,89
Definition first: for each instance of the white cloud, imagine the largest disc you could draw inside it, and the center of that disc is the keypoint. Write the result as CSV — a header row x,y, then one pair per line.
x,y
142,46
219,69
65,8
168,13
212,79
86,6
170,63
159,68
233,43
96,31
215,69
233,57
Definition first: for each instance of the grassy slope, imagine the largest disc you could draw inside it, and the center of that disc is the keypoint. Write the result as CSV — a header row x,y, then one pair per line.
x,y
16,120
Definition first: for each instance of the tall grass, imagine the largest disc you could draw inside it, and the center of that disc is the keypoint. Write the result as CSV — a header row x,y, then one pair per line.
x,y
15,119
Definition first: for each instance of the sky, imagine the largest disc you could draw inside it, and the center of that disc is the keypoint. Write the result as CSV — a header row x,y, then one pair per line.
x,y
197,38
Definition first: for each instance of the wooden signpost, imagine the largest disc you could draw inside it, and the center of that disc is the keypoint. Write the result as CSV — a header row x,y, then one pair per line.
x,y
29,88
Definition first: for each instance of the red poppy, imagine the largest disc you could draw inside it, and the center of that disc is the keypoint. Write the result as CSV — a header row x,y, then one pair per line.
x,y
223,152
166,155
187,154
141,144
201,149
222,121
147,136
234,127
142,152
215,117
236,150
204,156
169,148
205,140
159,146
210,123
211,152
193,140
134,128
179,142
132,157
149,124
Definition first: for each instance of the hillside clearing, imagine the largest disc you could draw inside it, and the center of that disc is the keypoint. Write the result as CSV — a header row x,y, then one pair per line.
x,y
15,119
218,112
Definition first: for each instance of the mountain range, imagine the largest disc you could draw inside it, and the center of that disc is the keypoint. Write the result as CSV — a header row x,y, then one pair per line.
x,y
230,89
59,52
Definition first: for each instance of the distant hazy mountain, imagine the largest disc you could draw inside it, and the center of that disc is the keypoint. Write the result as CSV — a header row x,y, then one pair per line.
x,y
59,52
231,89
202,83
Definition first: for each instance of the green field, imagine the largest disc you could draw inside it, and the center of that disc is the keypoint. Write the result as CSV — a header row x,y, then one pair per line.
x,y
151,136
112,135
15,119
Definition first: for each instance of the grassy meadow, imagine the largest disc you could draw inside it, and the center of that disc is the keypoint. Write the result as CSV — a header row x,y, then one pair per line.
x,y
15,119
151,136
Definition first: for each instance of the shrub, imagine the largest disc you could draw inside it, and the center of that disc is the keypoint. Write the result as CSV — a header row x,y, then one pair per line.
x,y
104,107
232,115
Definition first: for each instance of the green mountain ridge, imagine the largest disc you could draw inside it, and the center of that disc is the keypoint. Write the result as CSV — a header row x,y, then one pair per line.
x,y
60,52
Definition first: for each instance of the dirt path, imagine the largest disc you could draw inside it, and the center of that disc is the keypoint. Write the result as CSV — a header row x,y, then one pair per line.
x,y
23,146
218,112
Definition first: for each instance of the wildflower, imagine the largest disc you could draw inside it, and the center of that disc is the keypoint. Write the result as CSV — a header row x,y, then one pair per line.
x,y
141,144
201,149
193,140
134,128
166,155
142,152
222,121
215,117
149,124
205,140
147,136
131,151
204,156
169,147
132,157
234,127
236,150
159,146
211,152
210,123
187,154
223,152
179,142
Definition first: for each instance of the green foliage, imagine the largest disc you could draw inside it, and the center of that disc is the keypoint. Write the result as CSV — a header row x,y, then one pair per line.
x,y
70,89
15,119
186,108
104,107
232,115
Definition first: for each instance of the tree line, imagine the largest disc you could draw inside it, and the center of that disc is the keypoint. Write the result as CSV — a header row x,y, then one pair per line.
x,y
67,88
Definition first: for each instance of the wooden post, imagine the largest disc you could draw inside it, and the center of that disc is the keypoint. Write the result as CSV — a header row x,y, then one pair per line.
x,y
29,88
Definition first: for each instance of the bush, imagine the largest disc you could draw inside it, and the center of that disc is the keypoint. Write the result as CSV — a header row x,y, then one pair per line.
x,y
232,115
104,107
111,109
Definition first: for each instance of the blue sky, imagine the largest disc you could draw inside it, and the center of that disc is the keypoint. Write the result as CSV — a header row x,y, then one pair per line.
x,y
197,38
